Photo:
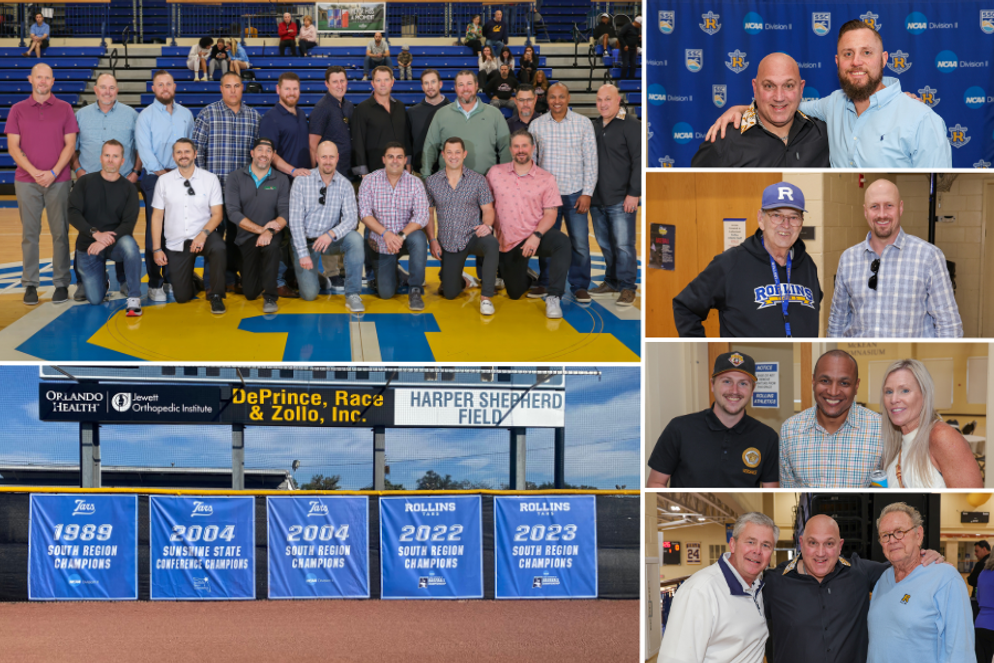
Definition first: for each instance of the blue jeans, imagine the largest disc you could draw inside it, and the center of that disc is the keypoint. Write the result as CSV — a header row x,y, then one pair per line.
x,y
576,223
368,64
385,265
156,274
93,269
351,247
614,229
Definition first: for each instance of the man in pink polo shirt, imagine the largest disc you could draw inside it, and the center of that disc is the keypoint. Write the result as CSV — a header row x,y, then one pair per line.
x,y
526,200
41,136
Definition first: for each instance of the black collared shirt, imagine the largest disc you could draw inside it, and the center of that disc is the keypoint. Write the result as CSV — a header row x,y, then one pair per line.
x,y
820,622
372,128
806,147
698,451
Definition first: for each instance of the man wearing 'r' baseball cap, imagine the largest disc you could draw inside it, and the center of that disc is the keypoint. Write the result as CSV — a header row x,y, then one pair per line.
x,y
721,447
765,287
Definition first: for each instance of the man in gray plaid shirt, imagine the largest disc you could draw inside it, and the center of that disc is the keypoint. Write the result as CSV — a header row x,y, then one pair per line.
x,y
892,284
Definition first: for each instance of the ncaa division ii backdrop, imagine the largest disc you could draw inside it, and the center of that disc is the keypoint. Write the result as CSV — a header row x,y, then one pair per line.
x,y
702,57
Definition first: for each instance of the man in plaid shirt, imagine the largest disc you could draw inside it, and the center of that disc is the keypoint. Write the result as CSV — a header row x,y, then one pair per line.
x,y
892,284
394,208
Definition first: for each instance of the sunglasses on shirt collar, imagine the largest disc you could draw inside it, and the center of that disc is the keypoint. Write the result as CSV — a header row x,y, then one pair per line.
x,y
874,268
189,188
322,191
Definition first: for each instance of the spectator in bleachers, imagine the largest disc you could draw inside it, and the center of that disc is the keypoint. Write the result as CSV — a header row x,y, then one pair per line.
x,y
404,61
463,205
323,221
308,35
376,122
565,146
220,59
257,201
488,66
604,35
495,33
103,207
40,32
474,35
196,61
481,127
505,57
524,102
526,201
529,65
616,196
159,126
501,88
541,85
630,38
41,138
377,55
224,134
108,119
394,208
187,208
420,115
288,35
239,58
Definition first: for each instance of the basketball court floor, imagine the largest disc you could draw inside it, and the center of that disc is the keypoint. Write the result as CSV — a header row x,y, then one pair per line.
x,y
319,331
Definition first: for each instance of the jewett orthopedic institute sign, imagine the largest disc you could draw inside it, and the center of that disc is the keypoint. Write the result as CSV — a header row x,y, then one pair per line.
x,y
129,403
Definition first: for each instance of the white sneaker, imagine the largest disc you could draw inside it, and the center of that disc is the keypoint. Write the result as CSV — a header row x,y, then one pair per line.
x,y
134,307
486,307
470,281
354,303
156,295
167,288
552,308
499,284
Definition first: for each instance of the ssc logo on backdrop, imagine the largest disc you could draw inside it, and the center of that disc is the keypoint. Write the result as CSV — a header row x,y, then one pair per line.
x,y
987,21
821,23
667,21
694,59
719,95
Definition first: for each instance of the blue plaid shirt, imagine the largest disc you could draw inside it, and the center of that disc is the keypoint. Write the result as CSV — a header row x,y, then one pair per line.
x,y
310,219
224,138
914,296
568,150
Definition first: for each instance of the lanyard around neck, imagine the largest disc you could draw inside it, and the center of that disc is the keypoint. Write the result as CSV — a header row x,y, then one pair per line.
x,y
780,289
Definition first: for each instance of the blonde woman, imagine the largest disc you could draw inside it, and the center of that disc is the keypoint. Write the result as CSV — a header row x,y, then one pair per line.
x,y
308,36
920,450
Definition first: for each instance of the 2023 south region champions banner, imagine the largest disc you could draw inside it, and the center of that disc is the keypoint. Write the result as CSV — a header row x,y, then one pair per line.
x,y
545,547
431,547
203,548
83,548
318,547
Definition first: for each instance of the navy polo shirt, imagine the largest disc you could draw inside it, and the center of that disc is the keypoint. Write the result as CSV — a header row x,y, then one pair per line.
x,y
698,451
289,135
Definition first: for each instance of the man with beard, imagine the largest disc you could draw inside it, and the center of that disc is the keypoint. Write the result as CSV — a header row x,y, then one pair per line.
x,y
871,124
767,286
892,285
722,446
835,444
420,115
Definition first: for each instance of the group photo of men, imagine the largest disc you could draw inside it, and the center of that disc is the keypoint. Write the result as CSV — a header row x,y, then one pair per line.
x,y
819,577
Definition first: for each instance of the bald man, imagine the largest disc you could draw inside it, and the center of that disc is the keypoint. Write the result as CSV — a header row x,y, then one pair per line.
x,y
41,138
892,285
773,133
816,604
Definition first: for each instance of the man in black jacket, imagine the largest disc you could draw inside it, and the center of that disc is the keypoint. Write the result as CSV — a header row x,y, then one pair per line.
x,y
773,133
767,286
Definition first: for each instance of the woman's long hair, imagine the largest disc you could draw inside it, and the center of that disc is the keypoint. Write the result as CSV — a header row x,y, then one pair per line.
x,y
891,435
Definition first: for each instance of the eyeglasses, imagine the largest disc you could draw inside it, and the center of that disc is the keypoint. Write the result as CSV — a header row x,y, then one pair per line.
x,y
322,191
778,219
897,535
189,188
874,268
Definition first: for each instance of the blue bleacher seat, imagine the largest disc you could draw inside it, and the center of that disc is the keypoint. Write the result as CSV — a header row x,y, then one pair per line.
x,y
56,52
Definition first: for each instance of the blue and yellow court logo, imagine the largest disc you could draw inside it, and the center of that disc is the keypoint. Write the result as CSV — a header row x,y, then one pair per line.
x,y
957,135
871,20
769,295
821,23
929,96
987,21
719,95
710,24
737,61
667,21
899,62
694,59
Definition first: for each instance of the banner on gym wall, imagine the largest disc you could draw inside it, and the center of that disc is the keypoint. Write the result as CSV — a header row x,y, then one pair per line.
x,y
545,547
431,547
203,548
351,17
318,547
83,548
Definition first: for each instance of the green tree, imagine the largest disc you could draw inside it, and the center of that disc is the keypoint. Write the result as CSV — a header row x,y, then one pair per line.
x,y
321,482
434,481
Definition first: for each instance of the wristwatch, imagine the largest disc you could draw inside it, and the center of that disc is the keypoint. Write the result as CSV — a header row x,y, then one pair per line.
x,y
271,231
205,231
93,231
537,234
402,235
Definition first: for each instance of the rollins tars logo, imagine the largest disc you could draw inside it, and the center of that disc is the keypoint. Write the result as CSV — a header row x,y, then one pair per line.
x,y
317,509
84,508
769,295
201,509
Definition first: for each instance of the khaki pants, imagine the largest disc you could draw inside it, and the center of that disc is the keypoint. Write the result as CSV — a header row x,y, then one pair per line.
x,y
32,199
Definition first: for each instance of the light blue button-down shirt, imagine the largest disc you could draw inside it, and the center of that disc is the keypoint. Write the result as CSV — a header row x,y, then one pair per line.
x,y
97,127
894,132
156,131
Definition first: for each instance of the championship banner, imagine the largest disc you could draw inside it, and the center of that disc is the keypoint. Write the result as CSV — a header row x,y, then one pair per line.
x,y
545,547
203,548
480,407
83,548
351,17
431,547
318,547
301,406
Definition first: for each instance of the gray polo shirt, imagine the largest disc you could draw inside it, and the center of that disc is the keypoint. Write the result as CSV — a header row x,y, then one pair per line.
x,y
260,202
